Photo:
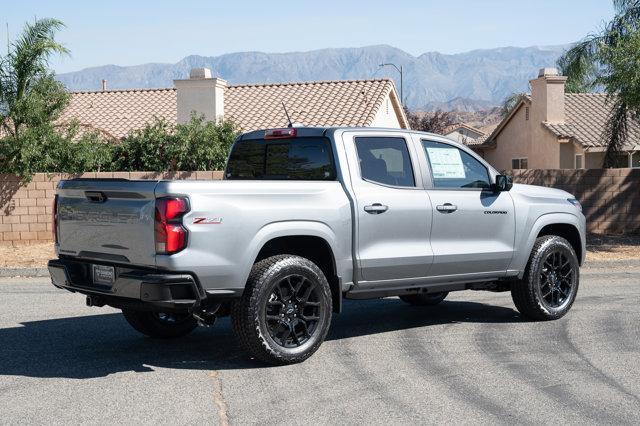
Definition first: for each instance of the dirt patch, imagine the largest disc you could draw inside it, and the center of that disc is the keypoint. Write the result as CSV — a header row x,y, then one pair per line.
x,y
34,256
613,247
599,248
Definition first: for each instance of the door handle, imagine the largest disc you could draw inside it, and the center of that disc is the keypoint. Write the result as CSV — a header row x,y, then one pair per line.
x,y
447,208
376,208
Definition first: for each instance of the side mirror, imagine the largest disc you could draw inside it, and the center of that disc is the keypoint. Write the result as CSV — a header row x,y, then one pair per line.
x,y
503,183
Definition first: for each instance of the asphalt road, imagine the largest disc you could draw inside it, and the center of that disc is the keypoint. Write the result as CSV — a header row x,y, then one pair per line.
x,y
470,360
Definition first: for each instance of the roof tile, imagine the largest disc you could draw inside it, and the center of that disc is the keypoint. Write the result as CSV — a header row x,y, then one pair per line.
x,y
253,106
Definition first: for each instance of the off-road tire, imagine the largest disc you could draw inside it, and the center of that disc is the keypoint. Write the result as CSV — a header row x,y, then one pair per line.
x,y
151,324
248,318
526,294
424,299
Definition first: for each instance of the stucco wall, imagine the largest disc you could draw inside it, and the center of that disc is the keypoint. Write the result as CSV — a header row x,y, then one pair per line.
x,y
386,116
513,141
463,135
567,155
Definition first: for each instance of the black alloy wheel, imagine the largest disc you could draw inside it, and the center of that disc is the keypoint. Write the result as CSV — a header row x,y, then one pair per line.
x,y
293,311
556,280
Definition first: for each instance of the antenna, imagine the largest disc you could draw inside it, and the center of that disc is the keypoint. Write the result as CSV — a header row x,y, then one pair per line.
x,y
290,124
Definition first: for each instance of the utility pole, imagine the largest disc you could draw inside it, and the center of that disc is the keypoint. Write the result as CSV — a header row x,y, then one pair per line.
x,y
399,69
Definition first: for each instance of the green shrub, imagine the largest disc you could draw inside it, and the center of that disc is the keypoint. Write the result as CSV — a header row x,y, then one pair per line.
x,y
196,145
45,148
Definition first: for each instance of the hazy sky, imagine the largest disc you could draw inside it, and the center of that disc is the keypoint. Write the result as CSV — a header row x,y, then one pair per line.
x,y
134,32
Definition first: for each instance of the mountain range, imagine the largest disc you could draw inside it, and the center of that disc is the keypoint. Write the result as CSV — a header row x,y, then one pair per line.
x,y
464,81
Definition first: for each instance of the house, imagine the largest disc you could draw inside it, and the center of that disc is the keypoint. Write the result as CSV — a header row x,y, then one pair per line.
x,y
551,129
115,113
463,133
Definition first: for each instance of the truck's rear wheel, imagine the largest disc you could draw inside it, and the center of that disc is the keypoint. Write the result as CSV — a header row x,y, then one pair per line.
x,y
424,299
550,283
160,325
285,311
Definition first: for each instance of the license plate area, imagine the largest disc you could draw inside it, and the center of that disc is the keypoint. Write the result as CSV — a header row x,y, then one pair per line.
x,y
103,275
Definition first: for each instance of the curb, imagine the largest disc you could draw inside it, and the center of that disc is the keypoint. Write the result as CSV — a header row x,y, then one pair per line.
x,y
23,272
597,266
588,267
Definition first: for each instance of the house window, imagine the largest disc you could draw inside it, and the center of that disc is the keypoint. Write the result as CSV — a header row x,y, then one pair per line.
x,y
519,163
635,160
578,163
526,113
621,160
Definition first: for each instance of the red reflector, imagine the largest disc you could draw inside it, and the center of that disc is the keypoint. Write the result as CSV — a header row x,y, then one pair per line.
x,y
170,235
280,133
176,238
54,219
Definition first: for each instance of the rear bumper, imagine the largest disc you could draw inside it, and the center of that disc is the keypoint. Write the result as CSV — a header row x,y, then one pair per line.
x,y
141,289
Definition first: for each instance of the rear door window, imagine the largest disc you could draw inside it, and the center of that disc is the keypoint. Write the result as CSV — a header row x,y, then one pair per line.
x,y
385,160
303,158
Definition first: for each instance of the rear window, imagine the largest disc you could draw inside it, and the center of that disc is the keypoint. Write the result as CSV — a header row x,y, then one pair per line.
x,y
303,158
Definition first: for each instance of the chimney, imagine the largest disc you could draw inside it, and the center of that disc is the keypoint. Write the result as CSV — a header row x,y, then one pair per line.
x,y
547,96
104,85
200,94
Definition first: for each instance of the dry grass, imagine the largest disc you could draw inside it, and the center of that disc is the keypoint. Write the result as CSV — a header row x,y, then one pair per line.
x,y
613,247
34,256
599,248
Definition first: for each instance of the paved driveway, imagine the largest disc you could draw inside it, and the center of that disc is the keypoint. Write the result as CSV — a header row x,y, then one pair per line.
x,y
470,360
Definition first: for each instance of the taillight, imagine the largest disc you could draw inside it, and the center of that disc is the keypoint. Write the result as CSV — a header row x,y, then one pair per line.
x,y
54,219
289,132
171,236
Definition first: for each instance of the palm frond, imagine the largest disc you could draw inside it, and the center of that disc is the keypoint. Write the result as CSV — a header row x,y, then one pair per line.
x,y
510,102
32,50
627,7
616,132
580,64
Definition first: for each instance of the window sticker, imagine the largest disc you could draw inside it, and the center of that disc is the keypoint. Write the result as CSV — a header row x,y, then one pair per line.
x,y
446,163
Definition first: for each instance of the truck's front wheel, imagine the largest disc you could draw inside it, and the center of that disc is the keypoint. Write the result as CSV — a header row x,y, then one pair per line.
x,y
160,325
550,282
285,311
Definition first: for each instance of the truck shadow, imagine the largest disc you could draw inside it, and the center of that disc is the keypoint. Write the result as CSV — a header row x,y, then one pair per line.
x,y
99,345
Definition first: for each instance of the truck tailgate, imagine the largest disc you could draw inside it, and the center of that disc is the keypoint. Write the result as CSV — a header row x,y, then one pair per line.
x,y
110,220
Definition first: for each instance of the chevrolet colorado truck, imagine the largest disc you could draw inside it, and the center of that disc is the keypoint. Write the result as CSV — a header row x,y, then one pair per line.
x,y
307,217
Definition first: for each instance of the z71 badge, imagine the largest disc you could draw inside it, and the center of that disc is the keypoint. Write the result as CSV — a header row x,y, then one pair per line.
x,y
207,220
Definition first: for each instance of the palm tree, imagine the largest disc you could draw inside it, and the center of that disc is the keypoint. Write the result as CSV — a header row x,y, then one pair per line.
x,y
608,60
29,95
510,102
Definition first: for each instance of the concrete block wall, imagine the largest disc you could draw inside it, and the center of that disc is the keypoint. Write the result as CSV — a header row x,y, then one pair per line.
x,y
26,208
610,198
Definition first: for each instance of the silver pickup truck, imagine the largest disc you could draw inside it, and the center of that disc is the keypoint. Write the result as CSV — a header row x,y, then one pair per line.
x,y
306,217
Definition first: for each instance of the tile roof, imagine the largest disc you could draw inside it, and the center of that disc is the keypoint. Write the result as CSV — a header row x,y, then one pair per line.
x,y
477,141
586,116
458,126
322,103
117,112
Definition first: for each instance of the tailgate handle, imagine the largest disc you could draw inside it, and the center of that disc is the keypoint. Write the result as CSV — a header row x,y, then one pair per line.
x,y
95,196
